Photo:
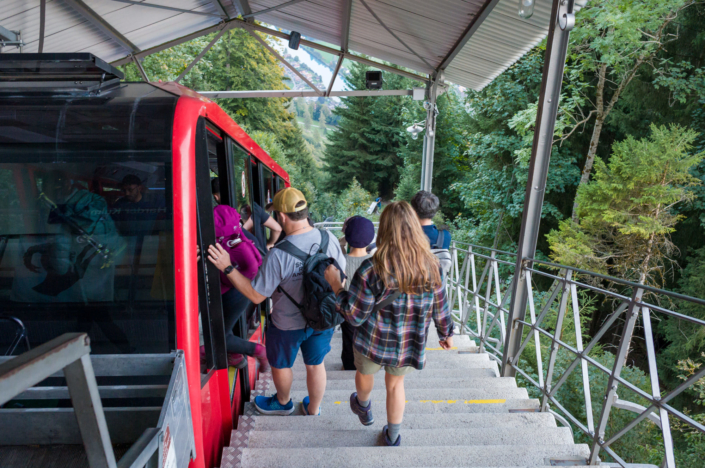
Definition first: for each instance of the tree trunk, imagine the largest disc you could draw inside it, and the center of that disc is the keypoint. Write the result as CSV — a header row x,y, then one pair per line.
x,y
596,131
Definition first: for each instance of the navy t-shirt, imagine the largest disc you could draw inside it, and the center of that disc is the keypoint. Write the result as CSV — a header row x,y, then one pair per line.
x,y
431,232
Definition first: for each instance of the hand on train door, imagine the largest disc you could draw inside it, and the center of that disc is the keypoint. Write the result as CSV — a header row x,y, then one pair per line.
x,y
219,257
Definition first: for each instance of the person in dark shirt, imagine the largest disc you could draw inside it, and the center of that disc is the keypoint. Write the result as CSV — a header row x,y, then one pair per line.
x,y
426,206
135,212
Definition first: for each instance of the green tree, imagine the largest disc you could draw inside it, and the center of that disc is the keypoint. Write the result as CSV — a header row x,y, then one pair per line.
x,y
614,41
368,140
626,213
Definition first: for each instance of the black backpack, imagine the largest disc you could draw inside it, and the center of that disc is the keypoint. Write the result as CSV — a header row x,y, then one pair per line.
x,y
318,307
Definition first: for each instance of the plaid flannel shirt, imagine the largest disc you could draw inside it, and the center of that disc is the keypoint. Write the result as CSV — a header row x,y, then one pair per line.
x,y
394,336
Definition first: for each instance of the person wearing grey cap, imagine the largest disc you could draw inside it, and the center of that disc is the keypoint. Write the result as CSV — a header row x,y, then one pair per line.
x,y
359,233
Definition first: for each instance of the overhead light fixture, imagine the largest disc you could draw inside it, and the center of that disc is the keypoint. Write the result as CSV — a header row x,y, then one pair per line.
x,y
526,8
294,40
415,129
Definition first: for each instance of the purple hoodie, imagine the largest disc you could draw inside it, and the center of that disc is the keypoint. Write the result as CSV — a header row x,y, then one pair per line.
x,y
243,254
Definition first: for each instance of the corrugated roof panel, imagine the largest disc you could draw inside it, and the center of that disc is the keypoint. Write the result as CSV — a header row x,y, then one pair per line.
x,y
505,37
320,20
430,27
162,31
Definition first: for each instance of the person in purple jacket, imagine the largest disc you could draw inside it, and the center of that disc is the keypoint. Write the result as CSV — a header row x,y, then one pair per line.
x,y
246,259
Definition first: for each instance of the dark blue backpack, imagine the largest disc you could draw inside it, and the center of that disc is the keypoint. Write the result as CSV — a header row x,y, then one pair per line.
x,y
318,306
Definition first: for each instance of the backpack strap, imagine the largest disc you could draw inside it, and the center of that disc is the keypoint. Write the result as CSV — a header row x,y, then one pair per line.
x,y
281,290
381,305
324,241
440,239
291,249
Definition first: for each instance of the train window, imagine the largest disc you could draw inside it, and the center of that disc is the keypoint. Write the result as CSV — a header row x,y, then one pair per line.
x,y
241,182
86,246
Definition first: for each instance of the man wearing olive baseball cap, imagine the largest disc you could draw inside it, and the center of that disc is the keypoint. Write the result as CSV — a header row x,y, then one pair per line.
x,y
287,331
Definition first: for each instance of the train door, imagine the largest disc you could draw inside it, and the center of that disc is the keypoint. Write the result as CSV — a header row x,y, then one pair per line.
x,y
215,389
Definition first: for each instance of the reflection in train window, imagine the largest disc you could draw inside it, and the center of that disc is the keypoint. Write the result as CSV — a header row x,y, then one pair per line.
x,y
88,247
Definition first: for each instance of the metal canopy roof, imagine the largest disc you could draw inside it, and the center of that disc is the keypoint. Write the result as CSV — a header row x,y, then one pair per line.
x,y
473,41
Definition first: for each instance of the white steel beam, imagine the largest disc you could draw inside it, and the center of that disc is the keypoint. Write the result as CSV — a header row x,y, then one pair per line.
x,y
345,25
238,23
549,99
335,74
219,8
170,8
42,24
379,20
140,69
467,34
284,61
243,6
200,56
290,93
274,8
96,20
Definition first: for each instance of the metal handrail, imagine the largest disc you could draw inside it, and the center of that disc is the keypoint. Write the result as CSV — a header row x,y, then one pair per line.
x,y
485,317
70,352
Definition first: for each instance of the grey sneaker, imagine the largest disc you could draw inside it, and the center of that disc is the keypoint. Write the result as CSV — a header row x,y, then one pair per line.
x,y
362,412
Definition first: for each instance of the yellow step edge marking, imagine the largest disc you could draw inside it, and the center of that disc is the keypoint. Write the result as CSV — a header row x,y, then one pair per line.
x,y
467,402
440,349
452,402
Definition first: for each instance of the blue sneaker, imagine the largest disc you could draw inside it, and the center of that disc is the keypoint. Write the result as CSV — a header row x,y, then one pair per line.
x,y
305,405
362,412
389,443
270,405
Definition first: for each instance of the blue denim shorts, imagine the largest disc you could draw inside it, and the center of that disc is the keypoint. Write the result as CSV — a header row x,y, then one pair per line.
x,y
284,345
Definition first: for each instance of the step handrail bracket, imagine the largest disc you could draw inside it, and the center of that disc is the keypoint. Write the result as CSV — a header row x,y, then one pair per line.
x,y
69,352
171,440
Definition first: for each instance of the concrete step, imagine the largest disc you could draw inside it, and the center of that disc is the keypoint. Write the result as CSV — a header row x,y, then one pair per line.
x,y
300,374
412,457
331,407
437,394
455,436
468,383
445,361
337,422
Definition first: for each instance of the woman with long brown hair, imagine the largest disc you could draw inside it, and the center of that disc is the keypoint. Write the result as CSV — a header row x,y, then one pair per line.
x,y
391,301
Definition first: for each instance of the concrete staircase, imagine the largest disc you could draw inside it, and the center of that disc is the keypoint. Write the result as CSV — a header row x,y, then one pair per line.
x,y
459,413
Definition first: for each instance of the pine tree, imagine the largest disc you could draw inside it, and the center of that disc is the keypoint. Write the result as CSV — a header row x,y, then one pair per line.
x,y
369,137
626,212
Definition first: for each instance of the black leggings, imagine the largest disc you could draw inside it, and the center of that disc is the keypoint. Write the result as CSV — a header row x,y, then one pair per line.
x,y
234,306
347,354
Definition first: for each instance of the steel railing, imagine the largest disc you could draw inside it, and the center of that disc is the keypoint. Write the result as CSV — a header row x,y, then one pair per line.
x,y
170,443
480,305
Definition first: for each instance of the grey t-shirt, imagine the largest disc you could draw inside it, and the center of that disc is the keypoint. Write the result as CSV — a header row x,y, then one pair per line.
x,y
281,269
352,266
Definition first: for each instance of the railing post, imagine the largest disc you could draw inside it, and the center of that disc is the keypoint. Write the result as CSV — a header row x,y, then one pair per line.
x,y
625,342
556,336
670,459
556,50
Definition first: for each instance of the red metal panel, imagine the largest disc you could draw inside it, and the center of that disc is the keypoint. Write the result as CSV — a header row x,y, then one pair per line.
x,y
221,119
217,420
185,268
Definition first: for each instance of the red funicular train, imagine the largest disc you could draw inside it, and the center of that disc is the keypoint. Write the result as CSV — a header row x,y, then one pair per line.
x,y
79,253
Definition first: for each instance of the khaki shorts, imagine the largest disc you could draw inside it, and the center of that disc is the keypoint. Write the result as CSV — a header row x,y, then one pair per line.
x,y
365,366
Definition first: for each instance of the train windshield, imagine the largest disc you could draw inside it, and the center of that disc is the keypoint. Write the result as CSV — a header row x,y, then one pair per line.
x,y
86,228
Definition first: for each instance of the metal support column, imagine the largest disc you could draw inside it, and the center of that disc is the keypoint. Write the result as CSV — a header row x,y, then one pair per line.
x,y
429,138
556,49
